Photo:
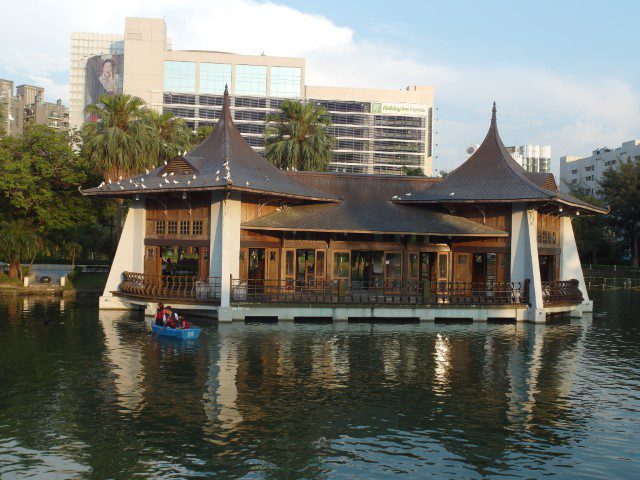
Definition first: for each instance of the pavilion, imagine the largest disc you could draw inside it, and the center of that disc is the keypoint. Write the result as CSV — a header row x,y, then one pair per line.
x,y
222,230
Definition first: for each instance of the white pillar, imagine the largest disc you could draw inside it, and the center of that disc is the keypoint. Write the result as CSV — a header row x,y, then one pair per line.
x,y
129,254
524,257
570,267
225,246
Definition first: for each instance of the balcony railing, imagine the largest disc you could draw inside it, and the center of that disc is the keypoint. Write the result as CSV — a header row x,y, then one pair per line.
x,y
561,291
411,293
171,287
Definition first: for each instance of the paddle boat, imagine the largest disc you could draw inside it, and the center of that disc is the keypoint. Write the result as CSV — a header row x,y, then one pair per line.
x,y
178,333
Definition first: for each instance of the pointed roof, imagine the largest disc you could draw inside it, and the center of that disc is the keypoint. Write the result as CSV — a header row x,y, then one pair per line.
x,y
224,160
492,175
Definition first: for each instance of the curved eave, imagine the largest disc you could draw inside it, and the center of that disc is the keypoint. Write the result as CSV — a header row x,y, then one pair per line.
x,y
130,193
377,232
577,206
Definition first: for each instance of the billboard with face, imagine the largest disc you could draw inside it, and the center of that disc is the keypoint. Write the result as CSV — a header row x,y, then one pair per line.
x,y
103,77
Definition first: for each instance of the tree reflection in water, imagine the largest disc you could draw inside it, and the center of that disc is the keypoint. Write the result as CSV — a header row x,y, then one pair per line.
x,y
93,393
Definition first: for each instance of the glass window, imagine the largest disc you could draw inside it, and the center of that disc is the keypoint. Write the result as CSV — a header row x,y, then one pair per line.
x,y
393,262
214,76
341,264
319,263
197,227
251,80
184,227
413,265
172,227
285,81
159,227
180,77
289,263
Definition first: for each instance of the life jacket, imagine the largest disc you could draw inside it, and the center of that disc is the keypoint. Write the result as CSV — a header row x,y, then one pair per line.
x,y
171,320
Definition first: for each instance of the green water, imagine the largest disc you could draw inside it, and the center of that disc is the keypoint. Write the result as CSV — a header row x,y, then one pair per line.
x,y
88,394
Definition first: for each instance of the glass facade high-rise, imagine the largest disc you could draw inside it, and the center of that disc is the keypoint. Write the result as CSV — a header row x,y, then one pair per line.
x,y
376,130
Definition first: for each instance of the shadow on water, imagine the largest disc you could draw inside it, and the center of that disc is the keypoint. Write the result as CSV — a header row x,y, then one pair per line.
x,y
91,394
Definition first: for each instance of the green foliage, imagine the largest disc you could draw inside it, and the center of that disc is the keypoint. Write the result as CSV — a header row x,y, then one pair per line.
x,y
122,140
200,134
444,173
18,240
413,171
620,190
174,137
595,238
297,137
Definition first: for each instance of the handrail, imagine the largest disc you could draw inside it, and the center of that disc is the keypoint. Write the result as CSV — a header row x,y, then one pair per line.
x,y
561,291
174,287
394,292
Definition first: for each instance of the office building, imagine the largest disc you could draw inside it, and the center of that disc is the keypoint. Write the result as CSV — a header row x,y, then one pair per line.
x,y
376,130
533,158
588,171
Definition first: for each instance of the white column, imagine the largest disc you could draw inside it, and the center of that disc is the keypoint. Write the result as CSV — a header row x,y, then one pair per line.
x,y
225,245
524,257
570,266
129,254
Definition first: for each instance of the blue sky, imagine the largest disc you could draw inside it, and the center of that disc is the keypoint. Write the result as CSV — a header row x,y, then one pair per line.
x,y
563,73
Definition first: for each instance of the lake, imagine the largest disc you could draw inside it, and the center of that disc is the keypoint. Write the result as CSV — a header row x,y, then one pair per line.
x,y
89,394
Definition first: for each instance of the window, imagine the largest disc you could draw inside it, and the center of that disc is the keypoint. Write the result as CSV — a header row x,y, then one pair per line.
x,y
172,227
285,81
214,76
341,265
197,227
251,80
574,171
413,265
159,227
609,163
180,77
184,227
289,268
589,178
393,263
589,168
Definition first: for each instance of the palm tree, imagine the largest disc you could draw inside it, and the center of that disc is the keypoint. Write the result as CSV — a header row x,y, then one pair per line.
x,y
173,134
200,134
121,141
297,137
18,240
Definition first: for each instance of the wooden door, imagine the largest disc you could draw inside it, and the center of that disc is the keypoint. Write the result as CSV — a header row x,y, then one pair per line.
x,y
288,272
152,261
203,258
321,268
244,263
393,271
272,274
462,267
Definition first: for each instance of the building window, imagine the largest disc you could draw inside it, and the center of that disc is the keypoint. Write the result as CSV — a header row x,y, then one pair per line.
x,y
214,77
574,171
251,80
609,163
159,227
197,227
589,178
172,227
589,168
184,227
285,81
180,77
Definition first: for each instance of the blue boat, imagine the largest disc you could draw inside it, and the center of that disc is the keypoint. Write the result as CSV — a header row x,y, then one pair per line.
x,y
179,333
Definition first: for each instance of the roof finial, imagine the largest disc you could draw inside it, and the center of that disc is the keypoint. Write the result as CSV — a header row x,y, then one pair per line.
x,y
493,111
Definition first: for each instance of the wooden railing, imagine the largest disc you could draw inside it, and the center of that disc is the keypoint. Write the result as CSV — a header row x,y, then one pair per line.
x,y
380,292
171,287
561,291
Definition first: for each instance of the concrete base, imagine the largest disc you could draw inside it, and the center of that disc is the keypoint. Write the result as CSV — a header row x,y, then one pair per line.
x,y
109,302
537,315
587,306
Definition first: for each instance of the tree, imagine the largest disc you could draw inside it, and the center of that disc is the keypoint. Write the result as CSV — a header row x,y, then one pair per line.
x,y
173,135
620,189
201,133
595,238
18,240
121,142
297,137
413,171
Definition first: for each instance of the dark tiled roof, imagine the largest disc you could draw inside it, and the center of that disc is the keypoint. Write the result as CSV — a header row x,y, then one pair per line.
x,y
224,160
366,207
492,175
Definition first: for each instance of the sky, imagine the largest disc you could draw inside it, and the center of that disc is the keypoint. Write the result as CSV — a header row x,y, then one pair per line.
x,y
563,73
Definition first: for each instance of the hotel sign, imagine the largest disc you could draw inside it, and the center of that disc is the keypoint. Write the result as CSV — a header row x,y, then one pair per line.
x,y
408,109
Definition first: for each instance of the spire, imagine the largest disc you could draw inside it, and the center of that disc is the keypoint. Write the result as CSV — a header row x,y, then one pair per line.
x,y
226,111
493,115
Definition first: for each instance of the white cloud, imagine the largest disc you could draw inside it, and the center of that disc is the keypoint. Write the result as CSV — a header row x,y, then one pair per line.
x,y
535,105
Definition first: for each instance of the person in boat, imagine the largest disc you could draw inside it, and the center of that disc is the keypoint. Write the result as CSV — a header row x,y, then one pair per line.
x,y
183,323
171,318
160,312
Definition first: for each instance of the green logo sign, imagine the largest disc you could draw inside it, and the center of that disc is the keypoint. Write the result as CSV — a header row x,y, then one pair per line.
x,y
376,108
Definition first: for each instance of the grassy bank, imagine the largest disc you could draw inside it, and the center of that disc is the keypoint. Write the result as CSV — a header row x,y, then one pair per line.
x,y
87,282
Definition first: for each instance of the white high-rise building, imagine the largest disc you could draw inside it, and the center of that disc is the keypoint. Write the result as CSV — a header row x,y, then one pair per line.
x,y
376,130
533,158
588,171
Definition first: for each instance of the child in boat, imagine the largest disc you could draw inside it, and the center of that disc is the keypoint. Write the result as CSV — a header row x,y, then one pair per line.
x,y
160,315
184,323
171,319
